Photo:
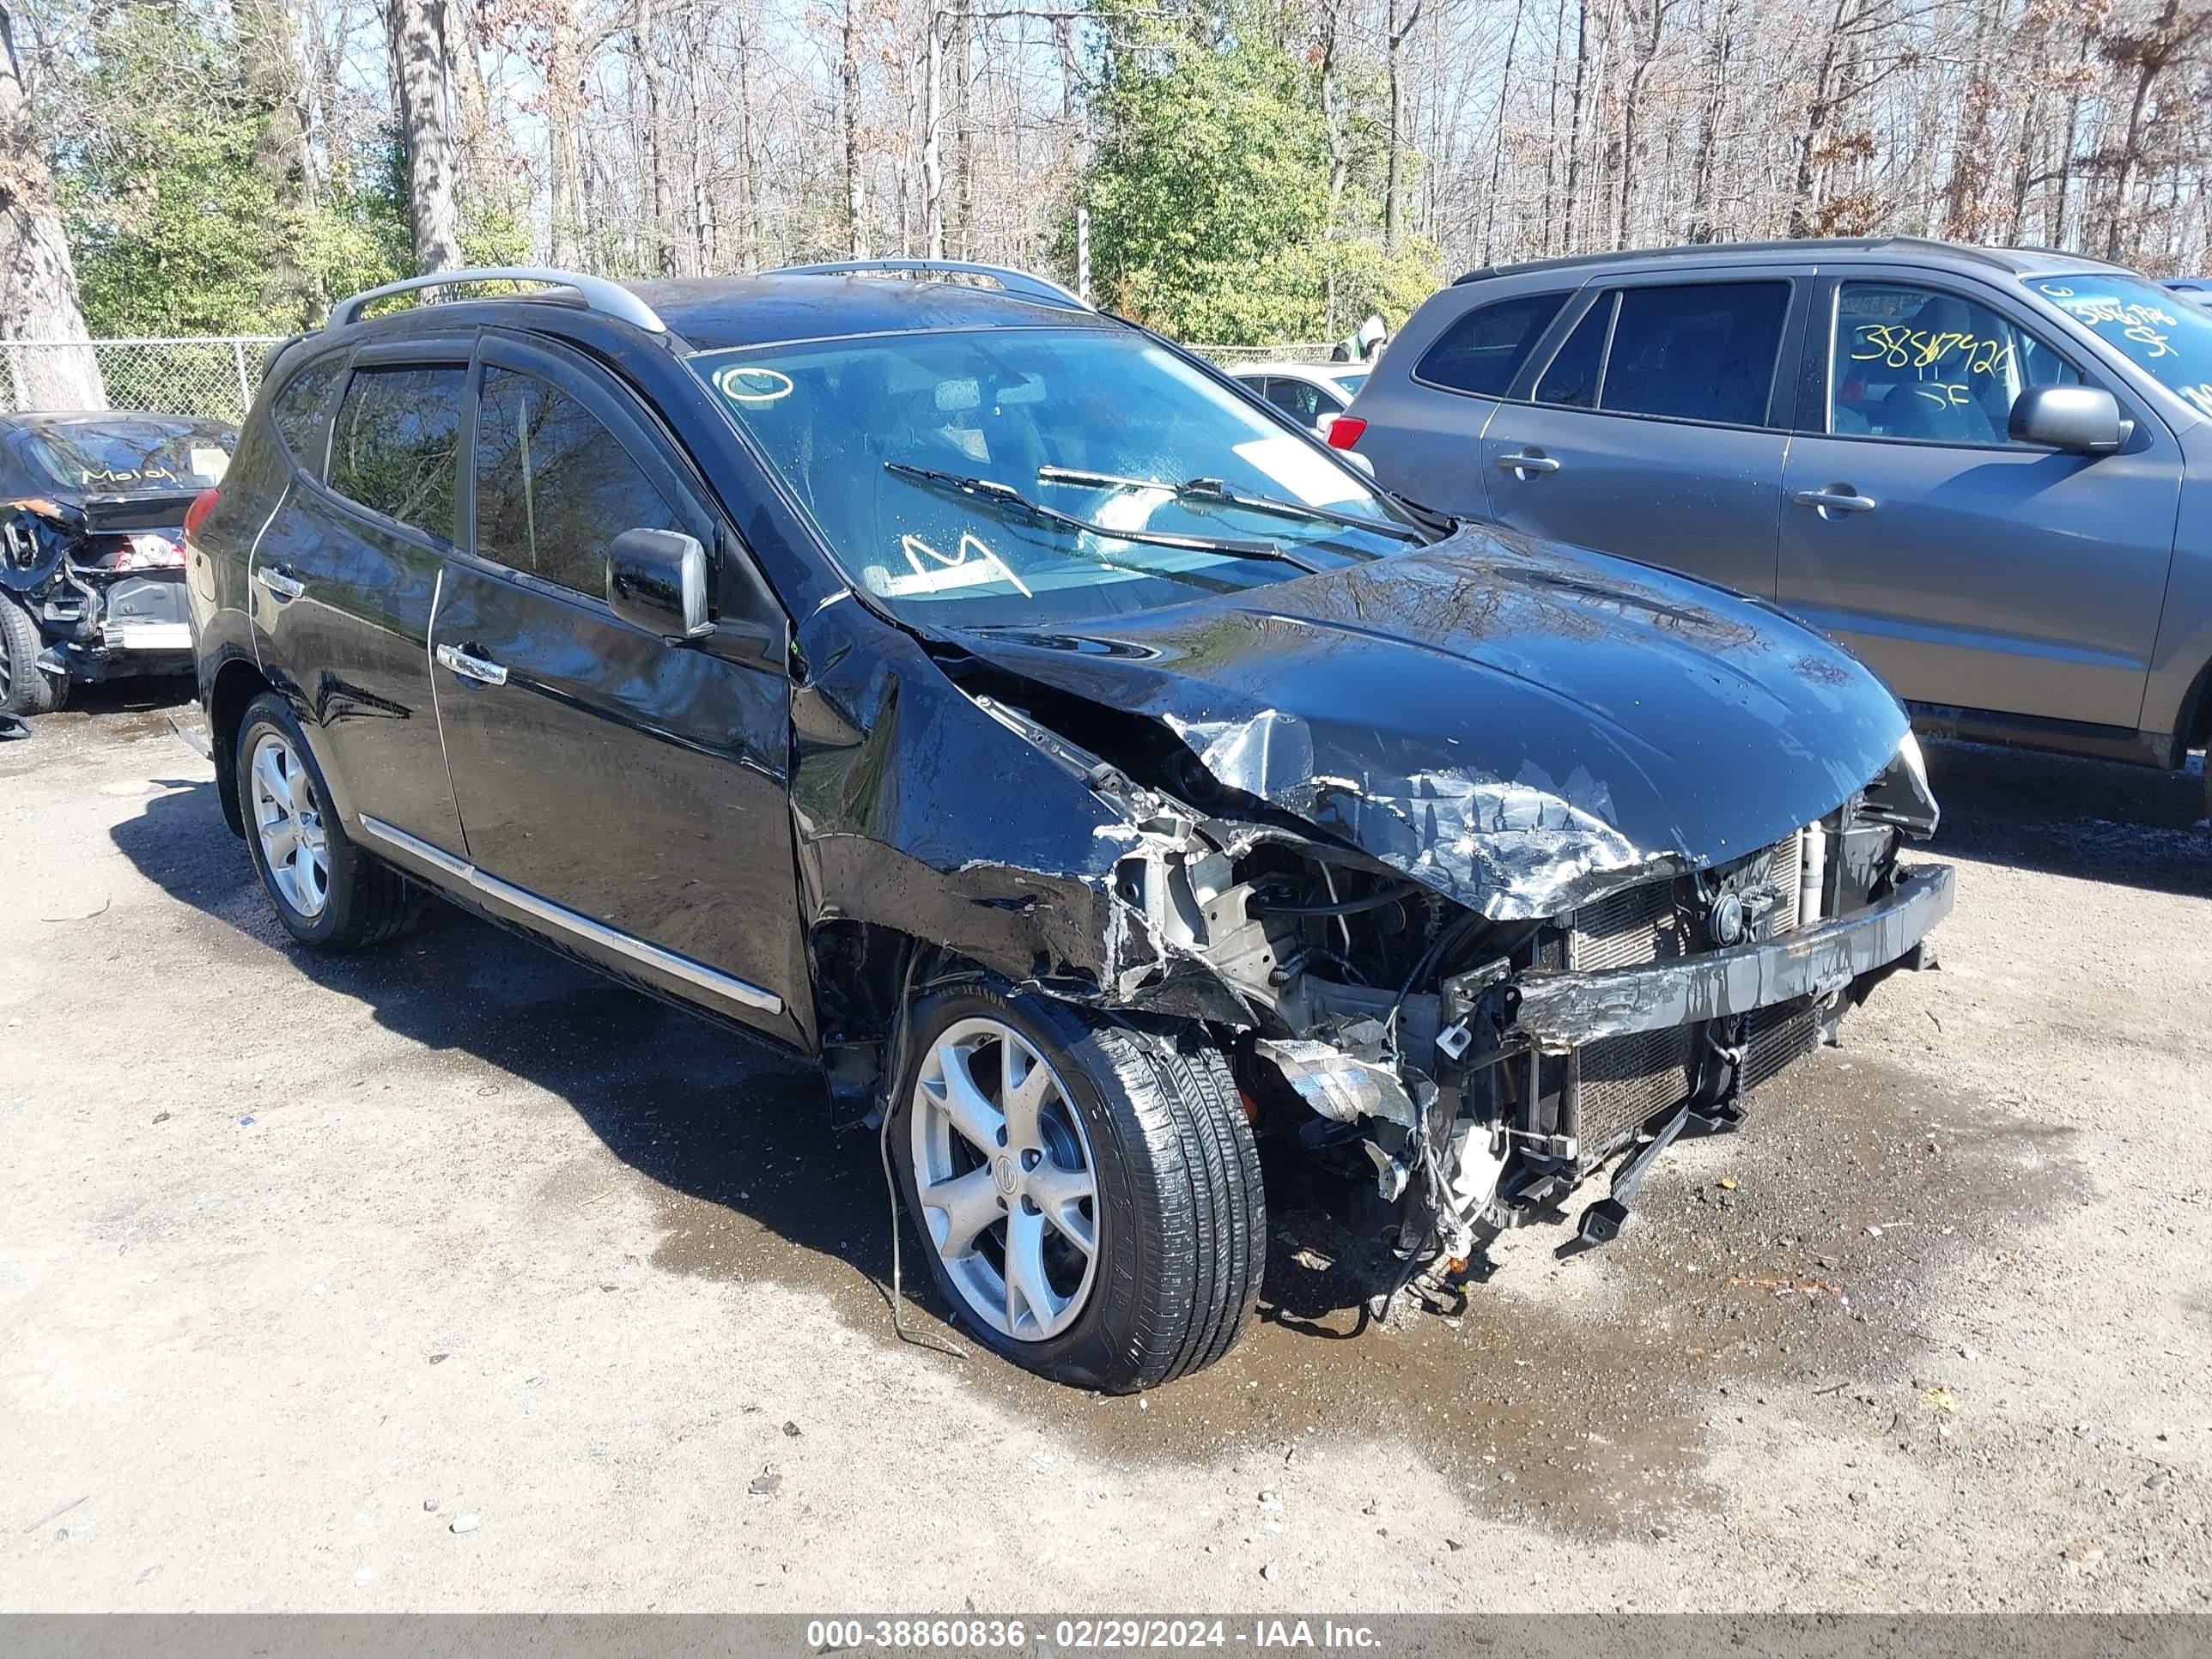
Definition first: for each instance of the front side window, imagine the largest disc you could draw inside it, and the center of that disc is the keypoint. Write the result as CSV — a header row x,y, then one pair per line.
x,y
2171,342
301,411
1701,351
1484,350
553,486
1920,363
397,446
1020,476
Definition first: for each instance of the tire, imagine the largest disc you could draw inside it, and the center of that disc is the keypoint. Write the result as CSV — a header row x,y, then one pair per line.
x,y
1177,1220
347,902
26,688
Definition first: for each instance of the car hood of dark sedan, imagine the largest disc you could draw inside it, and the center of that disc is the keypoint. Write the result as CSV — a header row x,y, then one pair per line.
x,y
1516,725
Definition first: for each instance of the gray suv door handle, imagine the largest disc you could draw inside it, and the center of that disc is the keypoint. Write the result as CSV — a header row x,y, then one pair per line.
x,y
1525,465
280,585
1834,499
480,668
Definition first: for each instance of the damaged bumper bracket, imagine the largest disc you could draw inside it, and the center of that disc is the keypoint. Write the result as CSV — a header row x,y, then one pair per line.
x,y
1564,1011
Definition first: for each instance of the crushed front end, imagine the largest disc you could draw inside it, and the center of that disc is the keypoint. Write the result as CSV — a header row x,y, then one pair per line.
x,y
1478,1069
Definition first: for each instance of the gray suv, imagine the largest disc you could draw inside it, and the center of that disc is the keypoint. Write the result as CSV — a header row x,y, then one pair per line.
x,y
1983,470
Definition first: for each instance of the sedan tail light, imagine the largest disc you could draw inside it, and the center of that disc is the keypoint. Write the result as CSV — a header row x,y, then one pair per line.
x,y
1345,430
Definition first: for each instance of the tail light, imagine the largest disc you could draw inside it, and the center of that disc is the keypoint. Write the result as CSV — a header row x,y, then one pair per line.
x,y
1345,430
195,515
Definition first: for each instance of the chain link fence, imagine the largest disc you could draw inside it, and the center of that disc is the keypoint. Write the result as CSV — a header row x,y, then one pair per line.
x,y
1298,351
212,376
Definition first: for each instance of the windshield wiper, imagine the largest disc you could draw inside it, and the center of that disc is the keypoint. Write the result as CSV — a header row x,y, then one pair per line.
x,y
1006,495
1217,490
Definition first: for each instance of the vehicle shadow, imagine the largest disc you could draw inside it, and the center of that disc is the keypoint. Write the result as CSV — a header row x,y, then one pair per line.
x,y
701,1110
735,1133
2090,820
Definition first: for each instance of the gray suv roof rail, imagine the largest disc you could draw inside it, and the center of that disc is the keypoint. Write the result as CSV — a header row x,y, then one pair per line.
x,y
1808,246
1020,282
597,294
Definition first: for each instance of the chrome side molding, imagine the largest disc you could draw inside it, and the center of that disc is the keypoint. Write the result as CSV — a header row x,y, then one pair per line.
x,y
559,918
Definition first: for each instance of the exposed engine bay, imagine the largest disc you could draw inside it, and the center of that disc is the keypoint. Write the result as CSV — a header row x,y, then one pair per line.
x,y
1473,1069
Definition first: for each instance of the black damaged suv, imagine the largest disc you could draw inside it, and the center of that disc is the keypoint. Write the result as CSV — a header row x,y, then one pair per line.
x,y
1097,774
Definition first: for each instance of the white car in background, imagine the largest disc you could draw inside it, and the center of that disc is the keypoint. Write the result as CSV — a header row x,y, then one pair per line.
x,y
1315,393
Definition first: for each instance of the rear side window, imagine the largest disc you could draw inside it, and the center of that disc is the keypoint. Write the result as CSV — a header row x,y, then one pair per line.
x,y
1484,351
397,447
1702,351
1298,399
1571,380
553,486
301,412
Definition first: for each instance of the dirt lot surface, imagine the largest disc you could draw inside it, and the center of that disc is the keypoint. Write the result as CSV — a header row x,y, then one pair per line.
x,y
454,1278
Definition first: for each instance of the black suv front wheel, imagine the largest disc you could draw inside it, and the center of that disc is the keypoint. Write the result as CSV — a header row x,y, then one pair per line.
x,y
1088,1189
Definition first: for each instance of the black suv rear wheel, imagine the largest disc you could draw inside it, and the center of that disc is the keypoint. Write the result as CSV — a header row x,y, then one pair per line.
x,y
1088,1190
328,893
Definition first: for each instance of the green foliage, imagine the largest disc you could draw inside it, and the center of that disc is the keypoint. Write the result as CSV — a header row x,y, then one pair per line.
x,y
174,214
1210,195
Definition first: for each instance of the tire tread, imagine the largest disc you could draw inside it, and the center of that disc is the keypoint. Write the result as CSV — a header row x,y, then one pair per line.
x,y
1208,1226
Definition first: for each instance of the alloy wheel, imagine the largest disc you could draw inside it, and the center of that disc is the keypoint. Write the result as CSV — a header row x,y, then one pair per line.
x,y
1008,1189
289,820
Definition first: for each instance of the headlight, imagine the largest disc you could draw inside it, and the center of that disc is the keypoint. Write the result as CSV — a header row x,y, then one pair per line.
x,y
1901,795
1908,753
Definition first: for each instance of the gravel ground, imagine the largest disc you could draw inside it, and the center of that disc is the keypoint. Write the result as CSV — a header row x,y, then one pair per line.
x,y
452,1277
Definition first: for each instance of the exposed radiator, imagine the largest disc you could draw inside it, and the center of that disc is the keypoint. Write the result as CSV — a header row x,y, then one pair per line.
x,y
1635,925
1786,1032
1623,1083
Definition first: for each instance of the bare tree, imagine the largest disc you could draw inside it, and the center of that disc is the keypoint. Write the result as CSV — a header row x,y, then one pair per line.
x,y
856,198
37,278
422,79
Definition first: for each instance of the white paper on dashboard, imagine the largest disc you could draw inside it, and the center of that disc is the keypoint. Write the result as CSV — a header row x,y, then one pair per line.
x,y
1291,463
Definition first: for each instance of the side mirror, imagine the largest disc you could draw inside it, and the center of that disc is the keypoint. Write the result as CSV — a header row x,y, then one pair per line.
x,y
2082,419
657,580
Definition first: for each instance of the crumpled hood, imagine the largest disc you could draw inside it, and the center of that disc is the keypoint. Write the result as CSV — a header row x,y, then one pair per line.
x,y
1517,725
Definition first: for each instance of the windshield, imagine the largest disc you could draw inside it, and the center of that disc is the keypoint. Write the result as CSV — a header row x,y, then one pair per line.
x,y
1079,434
1350,384
2170,339
125,455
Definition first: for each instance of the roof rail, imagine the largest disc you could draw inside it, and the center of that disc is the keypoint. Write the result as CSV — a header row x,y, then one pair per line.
x,y
1810,248
1014,282
597,294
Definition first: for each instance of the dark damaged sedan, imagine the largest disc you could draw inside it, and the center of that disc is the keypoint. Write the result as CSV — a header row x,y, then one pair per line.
x,y
1098,777
92,547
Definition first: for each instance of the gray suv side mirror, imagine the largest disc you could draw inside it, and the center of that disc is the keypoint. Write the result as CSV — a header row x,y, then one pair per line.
x,y
657,580
2080,418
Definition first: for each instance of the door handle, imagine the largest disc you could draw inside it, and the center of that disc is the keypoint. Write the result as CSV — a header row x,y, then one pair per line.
x,y
483,669
1526,464
1837,498
281,585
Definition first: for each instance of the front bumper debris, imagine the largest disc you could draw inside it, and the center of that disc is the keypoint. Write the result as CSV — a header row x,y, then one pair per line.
x,y
1562,1011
